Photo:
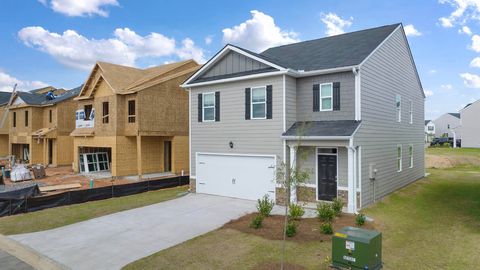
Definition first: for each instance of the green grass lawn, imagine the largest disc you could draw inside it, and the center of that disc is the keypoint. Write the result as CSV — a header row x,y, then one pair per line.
x,y
453,151
65,215
431,224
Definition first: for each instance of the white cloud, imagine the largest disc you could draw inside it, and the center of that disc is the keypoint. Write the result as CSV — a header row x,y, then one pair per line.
x,y
465,30
411,31
258,33
428,93
475,62
7,82
471,80
208,40
125,48
432,71
464,10
446,86
74,8
475,43
335,24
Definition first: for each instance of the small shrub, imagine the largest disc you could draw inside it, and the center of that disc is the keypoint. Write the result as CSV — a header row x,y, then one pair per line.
x,y
337,206
295,211
325,212
265,206
257,222
291,228
326,228
360,219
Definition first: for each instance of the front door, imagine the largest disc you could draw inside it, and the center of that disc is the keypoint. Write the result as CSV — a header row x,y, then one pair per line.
x,y
327,177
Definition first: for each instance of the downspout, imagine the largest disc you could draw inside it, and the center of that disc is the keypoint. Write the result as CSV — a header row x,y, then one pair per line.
x,y
353,182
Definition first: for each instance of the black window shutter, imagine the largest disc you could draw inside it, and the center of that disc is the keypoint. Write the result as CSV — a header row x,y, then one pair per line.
x,y
217,106
247,103
316,97
200,111
336,96
269,102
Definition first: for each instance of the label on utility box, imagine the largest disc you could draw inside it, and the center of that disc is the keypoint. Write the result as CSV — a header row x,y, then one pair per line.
x,y
348,258
349,245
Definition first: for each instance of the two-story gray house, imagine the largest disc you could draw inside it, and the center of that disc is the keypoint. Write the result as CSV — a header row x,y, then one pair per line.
x,y
354,102
448,125
470,126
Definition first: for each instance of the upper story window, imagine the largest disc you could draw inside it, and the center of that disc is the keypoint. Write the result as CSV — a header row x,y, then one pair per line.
x,y
399,158
208,107
26,118
398,107
259,102
105,112
326,97
411,112
50,116
448,126
88,111
431,128
131,111
410,155
14,119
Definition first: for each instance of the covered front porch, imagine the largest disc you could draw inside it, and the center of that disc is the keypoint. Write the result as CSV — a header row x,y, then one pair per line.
x,y
332,162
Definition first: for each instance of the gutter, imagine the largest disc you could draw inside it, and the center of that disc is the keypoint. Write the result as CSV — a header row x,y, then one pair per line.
x,y
317,138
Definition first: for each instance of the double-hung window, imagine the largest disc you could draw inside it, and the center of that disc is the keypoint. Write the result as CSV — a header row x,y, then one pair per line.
x,y
105,113
131,111
411,112
326,97
398,107
399,158
208,107
259,102
410,155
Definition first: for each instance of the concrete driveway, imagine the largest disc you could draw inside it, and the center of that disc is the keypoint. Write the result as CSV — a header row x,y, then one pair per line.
x,y
112,241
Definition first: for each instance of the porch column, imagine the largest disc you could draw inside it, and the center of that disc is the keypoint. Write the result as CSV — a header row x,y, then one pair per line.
x,y
293,166
139,156
351,180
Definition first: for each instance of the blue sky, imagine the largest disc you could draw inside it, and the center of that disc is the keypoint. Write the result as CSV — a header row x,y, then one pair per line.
x,y
56,42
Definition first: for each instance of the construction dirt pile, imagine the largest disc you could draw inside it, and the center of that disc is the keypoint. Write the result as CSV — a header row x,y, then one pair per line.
x,y
443,162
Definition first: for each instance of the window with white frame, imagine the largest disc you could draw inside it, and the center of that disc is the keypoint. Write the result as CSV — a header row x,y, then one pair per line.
x,y
411,112
259,102
208,107
326,97
398,107
399,158
410,155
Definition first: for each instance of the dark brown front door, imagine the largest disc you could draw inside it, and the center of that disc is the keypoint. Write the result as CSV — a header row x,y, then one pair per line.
x,y
327,177
167,156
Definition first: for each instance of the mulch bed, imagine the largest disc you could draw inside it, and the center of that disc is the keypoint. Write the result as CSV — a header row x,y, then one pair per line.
x,y
308,229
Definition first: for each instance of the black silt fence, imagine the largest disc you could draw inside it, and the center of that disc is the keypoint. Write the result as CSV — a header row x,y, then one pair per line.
x,y
17,206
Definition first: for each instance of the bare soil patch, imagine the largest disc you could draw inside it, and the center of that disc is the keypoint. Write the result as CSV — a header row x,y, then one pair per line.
x,y
444,162
276,266
308,229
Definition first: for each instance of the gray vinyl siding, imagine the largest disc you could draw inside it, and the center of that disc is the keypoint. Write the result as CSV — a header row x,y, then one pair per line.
x,y
442,123
248,136
347,97
471,126
389,71
290,101
306,159
233,62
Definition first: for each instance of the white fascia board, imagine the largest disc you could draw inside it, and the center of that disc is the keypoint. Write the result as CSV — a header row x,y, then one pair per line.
x,y
299,74
317,138
247,77
219,55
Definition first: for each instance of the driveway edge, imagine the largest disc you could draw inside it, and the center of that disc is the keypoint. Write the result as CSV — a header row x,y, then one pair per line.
x,y
28,255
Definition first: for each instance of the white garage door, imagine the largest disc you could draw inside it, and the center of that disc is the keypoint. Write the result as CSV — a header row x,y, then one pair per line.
x,y
238,176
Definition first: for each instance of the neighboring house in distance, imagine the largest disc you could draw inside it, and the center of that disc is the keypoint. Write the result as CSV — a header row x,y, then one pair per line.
x,y
355,99
471,125
40,128
133,121
4,130
429,131
448,125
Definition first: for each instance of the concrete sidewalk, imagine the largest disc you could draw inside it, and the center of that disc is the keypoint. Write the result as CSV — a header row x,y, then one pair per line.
x,y
112,241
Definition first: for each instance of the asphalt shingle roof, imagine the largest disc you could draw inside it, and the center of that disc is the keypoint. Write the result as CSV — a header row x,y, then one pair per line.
x,y
323,128
330,52
457,115
32,98
4,97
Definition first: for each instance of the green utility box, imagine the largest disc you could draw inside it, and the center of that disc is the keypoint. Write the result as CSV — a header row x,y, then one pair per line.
x,y
355,248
